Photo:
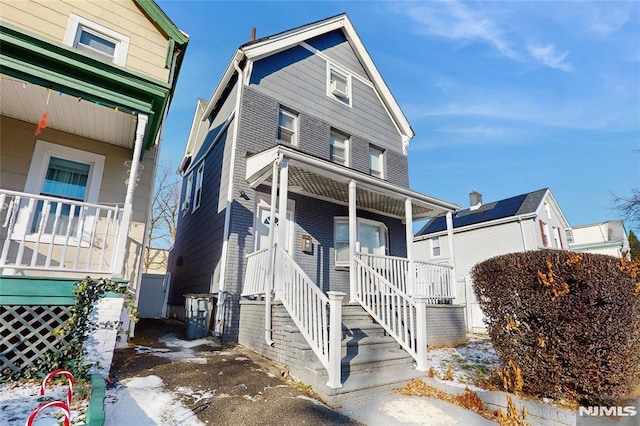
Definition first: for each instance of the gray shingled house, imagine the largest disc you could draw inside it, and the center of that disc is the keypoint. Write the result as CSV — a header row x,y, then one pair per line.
x,y
297,213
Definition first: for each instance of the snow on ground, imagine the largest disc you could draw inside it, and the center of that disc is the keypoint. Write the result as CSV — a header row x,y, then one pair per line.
x,y
470,363
176,350
144,401
18,401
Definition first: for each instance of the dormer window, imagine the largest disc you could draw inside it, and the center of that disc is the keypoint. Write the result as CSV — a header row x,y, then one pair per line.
x,y
339,85
96,40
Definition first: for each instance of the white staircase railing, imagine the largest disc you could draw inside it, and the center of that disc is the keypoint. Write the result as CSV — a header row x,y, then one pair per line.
x,y
39,232
393,269
256,280
307,305
402,316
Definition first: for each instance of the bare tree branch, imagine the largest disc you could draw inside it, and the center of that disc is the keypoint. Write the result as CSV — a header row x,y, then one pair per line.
x,y
629,207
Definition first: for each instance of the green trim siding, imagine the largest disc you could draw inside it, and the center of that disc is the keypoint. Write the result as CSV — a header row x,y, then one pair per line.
x,y
25,290
162,21
60,68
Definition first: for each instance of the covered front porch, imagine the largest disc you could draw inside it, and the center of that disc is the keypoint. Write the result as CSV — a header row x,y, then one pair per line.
x,y
394,290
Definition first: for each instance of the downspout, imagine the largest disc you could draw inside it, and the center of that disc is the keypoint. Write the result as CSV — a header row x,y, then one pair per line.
x,y
524,238
227,213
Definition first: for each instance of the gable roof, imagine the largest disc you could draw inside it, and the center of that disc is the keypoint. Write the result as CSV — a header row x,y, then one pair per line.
x,y
510,207
273,44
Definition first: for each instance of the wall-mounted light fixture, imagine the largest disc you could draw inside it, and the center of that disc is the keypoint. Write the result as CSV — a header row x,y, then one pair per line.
x,y
244,194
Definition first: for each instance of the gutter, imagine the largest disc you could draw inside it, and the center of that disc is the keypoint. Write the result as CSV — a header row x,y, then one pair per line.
x,y
476,226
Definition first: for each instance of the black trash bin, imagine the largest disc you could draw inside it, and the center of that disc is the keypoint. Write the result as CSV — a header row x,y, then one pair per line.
x,y
198,311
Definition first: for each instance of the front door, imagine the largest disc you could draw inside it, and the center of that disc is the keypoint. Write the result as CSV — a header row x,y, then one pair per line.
x,y
262,225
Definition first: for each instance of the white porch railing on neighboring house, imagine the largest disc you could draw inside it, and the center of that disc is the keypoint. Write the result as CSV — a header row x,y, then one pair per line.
x,y
430,279
434,281
38,232
256,280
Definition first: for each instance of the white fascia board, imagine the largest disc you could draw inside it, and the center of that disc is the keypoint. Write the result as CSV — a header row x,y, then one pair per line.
x,y
555,203
477,226
222,84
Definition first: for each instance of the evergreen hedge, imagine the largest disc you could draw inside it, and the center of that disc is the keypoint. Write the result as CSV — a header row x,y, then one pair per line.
x,y
569,321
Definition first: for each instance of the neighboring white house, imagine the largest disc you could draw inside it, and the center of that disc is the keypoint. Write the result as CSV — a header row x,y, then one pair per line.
x,y
602,238
525,222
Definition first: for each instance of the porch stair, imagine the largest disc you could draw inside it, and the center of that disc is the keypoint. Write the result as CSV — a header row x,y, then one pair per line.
x,y
372,361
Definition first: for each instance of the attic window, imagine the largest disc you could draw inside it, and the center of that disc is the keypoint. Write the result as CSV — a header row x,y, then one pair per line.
x,y
338,85
96,40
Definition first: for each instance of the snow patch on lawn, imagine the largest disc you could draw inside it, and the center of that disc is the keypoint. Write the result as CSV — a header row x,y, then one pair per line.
x,y
469,362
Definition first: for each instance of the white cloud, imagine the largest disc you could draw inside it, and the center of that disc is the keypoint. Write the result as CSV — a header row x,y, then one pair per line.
x,y
477,131
549,57
456,21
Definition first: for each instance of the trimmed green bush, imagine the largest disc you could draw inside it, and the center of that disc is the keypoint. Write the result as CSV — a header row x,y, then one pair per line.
x,y
569,321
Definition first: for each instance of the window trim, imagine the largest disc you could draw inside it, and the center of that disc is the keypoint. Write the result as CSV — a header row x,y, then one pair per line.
x,y
197,192
433,247
186,202
359,220
42,153
77,23
382,156
347,145
343,73
295,130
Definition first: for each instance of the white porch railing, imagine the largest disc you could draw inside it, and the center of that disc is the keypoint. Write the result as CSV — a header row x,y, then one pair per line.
x,y
399,314
430,279
434,282
256,280
38,232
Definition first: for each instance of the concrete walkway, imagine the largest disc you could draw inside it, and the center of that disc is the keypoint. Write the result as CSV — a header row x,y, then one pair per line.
x,y
401,410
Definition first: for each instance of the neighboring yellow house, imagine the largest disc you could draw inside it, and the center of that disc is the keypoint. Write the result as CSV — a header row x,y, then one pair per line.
x,y
85,87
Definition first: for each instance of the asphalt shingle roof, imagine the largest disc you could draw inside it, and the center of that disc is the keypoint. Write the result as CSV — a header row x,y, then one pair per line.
x,y
514,206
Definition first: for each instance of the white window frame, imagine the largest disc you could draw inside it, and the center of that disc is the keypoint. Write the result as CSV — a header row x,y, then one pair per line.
x,y
197,195
76,24
569,235
434,246
547,210
42,154
382,158
384,236
294,131
186,200
332,68
337,135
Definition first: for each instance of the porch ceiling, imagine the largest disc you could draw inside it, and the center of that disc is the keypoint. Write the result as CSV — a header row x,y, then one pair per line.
x,y
27,102
324,180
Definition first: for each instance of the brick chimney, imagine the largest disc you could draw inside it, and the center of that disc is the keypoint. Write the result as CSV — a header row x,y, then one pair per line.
x,y
475,200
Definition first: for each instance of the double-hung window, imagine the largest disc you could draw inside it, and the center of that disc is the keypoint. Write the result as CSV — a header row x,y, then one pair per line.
x,y
288,126
96,40
376,162
339,148
197,197
186,200
435,247
372,238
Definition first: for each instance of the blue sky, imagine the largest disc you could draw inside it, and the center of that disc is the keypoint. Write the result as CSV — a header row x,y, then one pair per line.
x,y
504,97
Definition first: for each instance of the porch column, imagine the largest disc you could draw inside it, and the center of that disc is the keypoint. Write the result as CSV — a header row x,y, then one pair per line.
x,y
353,237
125,224
452,255
411,273
282,223
268,325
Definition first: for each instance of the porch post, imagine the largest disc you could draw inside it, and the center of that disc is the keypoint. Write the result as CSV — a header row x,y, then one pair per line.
x,y
268,326
123,232
452,280
282,223
353,237
335,338
411,273
421,338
